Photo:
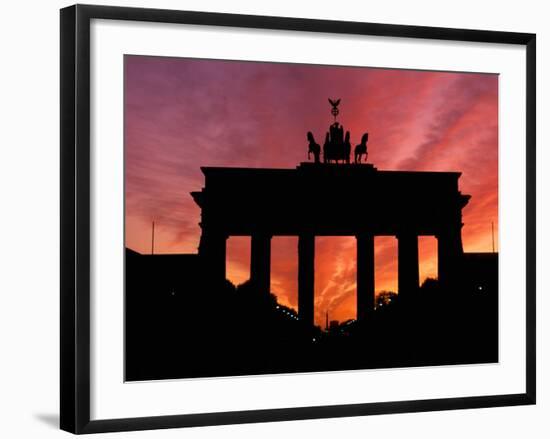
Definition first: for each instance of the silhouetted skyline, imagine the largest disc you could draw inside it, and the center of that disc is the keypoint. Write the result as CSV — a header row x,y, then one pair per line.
x,y
182,114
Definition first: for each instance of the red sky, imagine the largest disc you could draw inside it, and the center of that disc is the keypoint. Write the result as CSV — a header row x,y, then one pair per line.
x,y
181,114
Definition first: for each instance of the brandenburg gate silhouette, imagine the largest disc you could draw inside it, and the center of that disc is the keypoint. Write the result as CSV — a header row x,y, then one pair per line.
x,y
326,199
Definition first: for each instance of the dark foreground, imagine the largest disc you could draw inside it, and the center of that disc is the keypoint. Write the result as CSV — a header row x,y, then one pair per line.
x,y
177,328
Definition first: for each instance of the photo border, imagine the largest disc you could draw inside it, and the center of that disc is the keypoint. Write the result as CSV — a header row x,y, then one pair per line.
x,y
75,217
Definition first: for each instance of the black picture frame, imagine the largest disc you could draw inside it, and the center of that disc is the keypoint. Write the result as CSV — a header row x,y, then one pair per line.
x,y
75,217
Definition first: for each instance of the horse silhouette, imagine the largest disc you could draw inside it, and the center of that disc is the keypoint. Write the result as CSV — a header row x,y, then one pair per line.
x,y
347,147
361,149
313,148
326,148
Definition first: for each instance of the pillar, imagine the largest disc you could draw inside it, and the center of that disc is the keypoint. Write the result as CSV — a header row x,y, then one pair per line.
x,y
260,262
449,256
365,275
408,270
306,275
212,250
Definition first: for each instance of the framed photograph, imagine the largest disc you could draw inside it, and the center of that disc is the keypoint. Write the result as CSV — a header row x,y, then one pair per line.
x,y
267,219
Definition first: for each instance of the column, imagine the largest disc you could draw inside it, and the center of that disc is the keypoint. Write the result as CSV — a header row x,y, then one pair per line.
x,y
212,250
306,275
260,262
408,270
449,253
365,275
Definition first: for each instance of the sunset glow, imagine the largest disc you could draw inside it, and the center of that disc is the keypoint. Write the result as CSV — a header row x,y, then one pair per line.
x,y
181,114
